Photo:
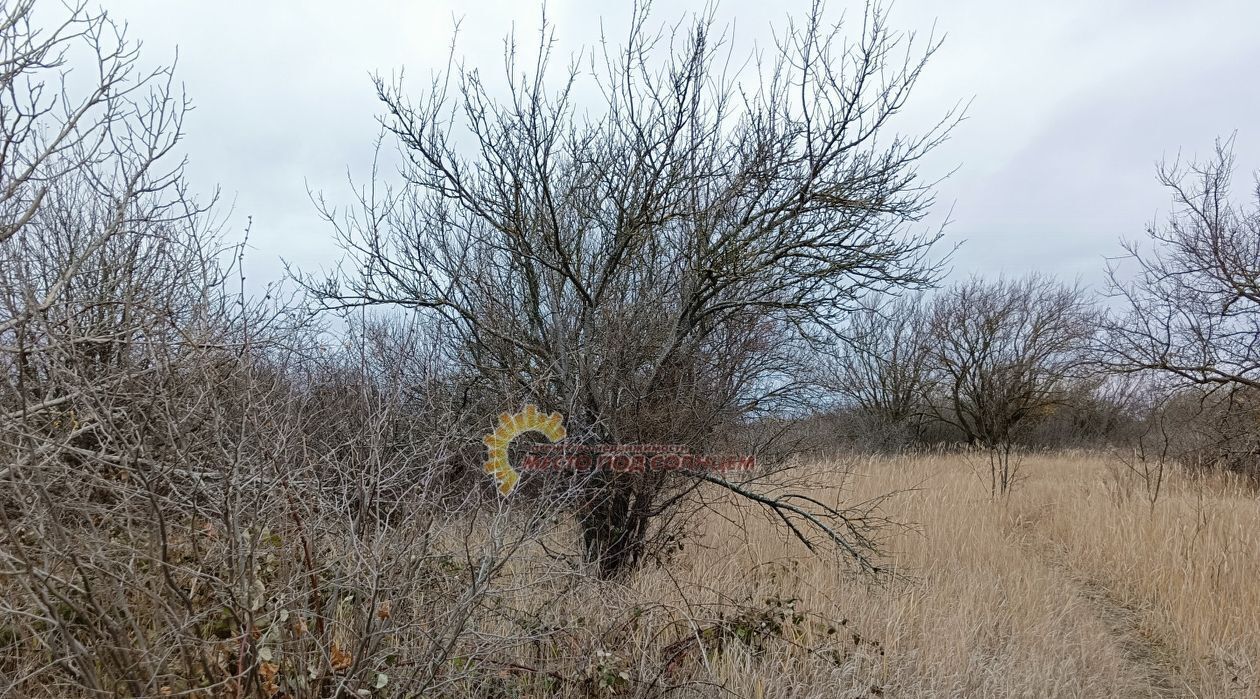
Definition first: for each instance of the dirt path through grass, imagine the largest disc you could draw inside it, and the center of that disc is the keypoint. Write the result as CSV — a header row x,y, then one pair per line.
x,y
1148,656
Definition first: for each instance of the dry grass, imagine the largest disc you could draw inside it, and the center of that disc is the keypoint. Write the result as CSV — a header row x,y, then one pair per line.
x,y
1072,587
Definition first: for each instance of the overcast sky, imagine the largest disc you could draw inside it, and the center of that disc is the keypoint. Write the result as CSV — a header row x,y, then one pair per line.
x,y
1073,102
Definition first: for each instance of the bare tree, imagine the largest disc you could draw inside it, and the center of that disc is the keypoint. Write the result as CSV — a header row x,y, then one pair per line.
x,y
1191,309
110,135
655,261
881,368
1004,352
1189,314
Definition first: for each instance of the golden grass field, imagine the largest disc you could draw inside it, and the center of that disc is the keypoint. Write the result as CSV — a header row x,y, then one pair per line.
x,y
1073,586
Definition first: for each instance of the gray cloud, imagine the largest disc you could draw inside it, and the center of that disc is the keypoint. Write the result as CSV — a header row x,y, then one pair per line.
x,y
1073,103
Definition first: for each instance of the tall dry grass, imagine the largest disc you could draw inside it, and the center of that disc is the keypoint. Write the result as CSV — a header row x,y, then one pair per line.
x,y
1074,586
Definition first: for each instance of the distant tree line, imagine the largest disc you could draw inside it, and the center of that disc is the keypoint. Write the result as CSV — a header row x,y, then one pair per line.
x,y
1038,363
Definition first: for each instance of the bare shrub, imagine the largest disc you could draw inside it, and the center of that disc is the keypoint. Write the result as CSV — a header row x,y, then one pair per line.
x,y
1150,453
201,502
1216,430
197,495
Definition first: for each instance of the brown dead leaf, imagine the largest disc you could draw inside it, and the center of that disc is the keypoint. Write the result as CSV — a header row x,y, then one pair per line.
x,y
269,672
341,658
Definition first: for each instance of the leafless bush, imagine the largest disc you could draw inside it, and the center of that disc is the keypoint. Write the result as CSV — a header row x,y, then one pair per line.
x,y
1096,411
197,495
1215,430
1147,457
202,502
